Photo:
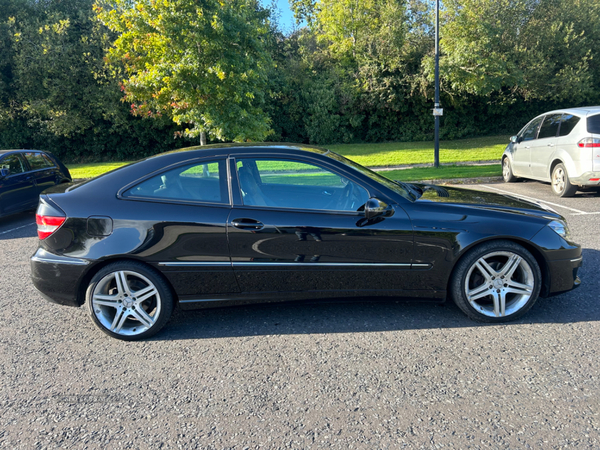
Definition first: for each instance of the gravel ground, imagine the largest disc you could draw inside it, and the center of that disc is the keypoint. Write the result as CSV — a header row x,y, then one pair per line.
x,y
358,375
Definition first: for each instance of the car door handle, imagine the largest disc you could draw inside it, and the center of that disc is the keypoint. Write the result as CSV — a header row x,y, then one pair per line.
x,y
550,145
247,224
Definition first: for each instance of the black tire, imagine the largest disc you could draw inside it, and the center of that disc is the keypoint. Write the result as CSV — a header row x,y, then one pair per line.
x,y
560,183
129,300
507,173
479,295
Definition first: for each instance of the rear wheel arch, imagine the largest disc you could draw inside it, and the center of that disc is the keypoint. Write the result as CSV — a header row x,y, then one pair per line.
x,y
87,277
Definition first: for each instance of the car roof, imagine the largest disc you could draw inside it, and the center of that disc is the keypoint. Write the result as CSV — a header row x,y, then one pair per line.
x,y
580,111
3,152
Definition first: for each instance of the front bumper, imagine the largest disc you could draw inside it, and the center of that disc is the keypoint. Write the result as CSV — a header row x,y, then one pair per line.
x,y
58,277
563,275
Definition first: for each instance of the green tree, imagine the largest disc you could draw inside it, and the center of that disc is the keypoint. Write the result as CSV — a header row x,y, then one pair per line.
x,y
202,63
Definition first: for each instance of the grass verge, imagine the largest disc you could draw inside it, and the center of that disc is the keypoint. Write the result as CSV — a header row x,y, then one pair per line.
x,y
396,153
444,173
92,170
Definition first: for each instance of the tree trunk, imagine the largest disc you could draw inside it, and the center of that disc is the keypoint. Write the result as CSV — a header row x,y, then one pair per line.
x,y
202,138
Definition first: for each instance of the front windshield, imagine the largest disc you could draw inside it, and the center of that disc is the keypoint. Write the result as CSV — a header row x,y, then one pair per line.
x,y
397,187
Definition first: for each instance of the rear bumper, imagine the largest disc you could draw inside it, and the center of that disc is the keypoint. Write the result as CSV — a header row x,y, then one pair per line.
x,y
57,277
587,179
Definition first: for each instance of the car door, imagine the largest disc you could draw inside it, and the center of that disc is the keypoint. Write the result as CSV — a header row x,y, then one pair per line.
x,y
17,189
542,148
522,148
186,209
43,170
299,226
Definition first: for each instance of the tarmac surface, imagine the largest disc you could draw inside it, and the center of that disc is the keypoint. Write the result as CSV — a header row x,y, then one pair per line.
x,y
367,375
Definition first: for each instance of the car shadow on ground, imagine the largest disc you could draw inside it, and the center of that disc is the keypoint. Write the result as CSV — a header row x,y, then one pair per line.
x,y
580,305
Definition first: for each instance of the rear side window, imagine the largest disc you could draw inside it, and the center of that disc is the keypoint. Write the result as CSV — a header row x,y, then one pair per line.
x,y
530,131
550,126
13,163
38,161
593,124
201,182
567,123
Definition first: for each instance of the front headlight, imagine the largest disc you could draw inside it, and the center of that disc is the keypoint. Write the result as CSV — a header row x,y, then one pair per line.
x,y
560,227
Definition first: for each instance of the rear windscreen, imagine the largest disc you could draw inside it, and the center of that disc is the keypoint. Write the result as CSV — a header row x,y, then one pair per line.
x,y
593,124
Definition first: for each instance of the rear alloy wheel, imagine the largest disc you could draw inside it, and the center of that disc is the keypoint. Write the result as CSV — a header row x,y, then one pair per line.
x,y
561,185
507,172
497,281
129,301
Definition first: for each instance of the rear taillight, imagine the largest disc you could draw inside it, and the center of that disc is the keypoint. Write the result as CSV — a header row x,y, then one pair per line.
x,y
46,225
589,143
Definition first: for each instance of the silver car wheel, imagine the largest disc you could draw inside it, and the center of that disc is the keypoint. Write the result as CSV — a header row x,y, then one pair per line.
x,y
126,303
499,284
558,180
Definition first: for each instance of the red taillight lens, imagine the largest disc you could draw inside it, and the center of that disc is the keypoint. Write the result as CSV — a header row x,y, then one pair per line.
x,y
46,225
589,143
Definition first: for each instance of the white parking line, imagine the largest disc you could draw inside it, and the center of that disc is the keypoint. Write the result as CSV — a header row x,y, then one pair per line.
x,y
576,211
18,228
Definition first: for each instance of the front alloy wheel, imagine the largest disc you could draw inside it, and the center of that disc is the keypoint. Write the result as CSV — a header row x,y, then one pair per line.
x,y
507,173
496,282
129,301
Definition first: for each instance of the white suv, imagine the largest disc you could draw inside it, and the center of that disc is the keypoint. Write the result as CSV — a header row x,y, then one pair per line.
x,y
562,147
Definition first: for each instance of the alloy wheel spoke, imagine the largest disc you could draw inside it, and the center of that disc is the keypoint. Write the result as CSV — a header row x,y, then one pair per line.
x,y
485,269
479,292
148,294
511,265
106,300
143,317
499,304
519,288
121,280
119,320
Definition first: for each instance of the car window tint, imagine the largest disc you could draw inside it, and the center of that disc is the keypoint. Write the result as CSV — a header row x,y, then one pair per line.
x,y
13,163
550,125
593,124
37,161
293,184
203,182
567,123
530,131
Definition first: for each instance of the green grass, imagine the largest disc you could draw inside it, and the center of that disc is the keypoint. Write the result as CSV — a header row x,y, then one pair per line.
x,y
445,172
91,170
396,153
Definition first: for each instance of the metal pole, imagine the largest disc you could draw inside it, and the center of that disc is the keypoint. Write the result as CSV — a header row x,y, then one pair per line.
x,y
437,111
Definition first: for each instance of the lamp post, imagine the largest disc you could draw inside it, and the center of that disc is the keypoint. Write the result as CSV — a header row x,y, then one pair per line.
x,y
437,111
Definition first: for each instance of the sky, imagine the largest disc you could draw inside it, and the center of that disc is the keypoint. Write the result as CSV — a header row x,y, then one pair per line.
x,y
286,18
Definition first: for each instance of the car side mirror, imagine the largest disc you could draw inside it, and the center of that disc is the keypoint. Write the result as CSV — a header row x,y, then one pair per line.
x,y
514,139
4,173
375,207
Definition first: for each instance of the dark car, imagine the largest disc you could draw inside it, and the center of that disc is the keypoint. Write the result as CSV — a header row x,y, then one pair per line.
x,y
234,224
24,174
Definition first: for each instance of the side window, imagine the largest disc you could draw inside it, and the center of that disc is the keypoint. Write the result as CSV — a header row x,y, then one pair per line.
x,y
37,161
593,124
13,163
567,123
292,184
550,126
530,131
202,182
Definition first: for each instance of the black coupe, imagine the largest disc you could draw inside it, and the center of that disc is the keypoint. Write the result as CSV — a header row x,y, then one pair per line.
x,y
233,224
